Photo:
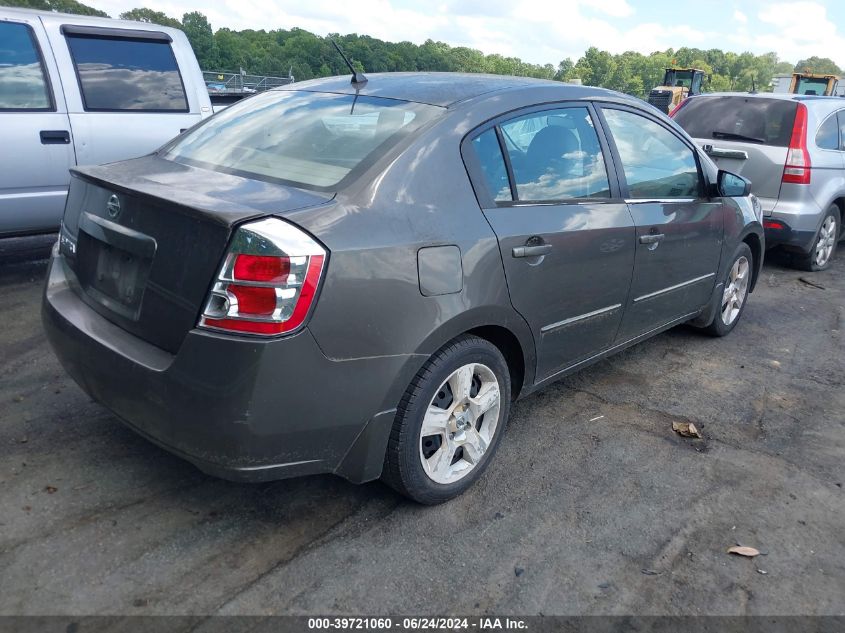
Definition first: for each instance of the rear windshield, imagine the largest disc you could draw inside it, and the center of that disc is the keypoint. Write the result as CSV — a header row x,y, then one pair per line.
x,y
743,119
308,139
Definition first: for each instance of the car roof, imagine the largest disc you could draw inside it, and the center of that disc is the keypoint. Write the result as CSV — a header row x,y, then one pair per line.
x,y
87,20
441,89
784,96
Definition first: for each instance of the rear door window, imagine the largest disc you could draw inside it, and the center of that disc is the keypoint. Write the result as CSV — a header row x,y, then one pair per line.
x,y
556,155
744,119
118,74
657,164
22,80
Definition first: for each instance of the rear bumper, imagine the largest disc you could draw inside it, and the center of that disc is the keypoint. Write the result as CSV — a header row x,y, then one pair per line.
x,y
800,222
238,408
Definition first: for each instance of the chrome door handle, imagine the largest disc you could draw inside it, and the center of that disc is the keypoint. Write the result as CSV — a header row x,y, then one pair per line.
x,y
531,251
651,239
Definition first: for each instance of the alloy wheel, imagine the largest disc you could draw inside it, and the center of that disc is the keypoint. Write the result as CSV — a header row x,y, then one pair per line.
x,y
826,242
460,423
735,291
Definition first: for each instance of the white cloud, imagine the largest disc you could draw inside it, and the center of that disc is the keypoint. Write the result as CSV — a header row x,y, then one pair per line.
x,y
538,31
801,29
614,8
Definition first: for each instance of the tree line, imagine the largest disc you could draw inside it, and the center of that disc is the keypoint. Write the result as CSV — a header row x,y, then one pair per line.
x,y
306,56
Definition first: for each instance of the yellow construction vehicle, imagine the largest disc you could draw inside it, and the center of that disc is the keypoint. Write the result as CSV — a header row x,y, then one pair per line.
x,y
807,84
678,84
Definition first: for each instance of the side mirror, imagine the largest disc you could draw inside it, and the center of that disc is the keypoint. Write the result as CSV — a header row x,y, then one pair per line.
x,y
730,185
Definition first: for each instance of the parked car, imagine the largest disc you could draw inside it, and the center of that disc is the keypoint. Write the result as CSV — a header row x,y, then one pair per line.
x,y
359,278
77,90
792,149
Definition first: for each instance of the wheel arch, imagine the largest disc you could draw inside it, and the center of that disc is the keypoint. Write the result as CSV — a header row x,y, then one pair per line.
x,y
502,327
755,243
507,343
840,203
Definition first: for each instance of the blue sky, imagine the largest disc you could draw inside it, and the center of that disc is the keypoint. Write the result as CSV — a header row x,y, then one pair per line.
x,y
542,31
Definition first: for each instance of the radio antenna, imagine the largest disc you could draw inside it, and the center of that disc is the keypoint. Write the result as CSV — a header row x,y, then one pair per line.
x,y
357,78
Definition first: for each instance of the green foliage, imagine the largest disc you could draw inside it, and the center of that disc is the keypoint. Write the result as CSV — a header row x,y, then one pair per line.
x,y
818,65
150,16
199,33
307,55
60,6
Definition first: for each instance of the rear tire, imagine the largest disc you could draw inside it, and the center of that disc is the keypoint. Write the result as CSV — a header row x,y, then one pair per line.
x,y
737,282
461,397
824,246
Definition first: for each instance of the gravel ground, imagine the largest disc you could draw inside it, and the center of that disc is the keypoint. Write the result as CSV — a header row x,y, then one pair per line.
x,y
592,506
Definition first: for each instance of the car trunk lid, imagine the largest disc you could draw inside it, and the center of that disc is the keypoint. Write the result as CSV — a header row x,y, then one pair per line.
x,y
761,164
145,238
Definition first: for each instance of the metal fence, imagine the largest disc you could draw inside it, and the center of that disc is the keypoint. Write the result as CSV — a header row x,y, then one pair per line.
x,y
228,82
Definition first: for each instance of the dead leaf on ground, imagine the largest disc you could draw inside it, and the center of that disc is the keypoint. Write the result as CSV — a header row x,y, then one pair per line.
x,y
741,550
50,489
685,429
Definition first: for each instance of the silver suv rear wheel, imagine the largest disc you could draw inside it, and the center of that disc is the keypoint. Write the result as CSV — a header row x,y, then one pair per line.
x,y
824,246
828,234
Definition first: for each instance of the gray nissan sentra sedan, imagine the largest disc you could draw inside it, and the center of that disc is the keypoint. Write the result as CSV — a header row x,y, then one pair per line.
x,y
359,278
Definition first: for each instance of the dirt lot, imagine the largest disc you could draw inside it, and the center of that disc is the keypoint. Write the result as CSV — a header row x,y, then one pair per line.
x,y
593,505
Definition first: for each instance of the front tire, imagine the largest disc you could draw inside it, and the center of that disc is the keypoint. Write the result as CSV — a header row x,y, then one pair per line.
x,y
824,246
450,422
737,282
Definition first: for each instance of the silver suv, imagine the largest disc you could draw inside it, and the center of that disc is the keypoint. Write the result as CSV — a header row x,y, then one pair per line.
x,y
792,149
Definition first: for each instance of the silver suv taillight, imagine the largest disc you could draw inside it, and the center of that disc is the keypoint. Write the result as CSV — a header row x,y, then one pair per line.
x,y
268,280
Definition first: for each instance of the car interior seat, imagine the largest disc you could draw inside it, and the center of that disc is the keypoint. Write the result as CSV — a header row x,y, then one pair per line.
x,y
548,151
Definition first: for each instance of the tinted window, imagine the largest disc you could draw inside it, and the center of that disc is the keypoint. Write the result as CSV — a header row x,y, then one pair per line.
x,y
124,74
657,163
486,147
810,86
309,139
22,83
828,135
744,119
555,155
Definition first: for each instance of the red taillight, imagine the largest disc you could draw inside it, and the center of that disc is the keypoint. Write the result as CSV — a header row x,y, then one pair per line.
x,y
261,268
268,280
797,167
777,225
680,105
254,299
